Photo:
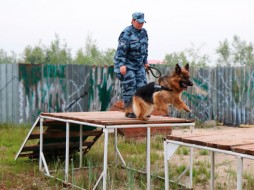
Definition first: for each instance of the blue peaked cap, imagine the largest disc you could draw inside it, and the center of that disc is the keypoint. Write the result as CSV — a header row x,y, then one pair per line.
x,y
139,17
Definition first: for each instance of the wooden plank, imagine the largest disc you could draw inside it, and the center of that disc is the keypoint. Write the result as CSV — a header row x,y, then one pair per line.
x,y
182,137
200,135
224,139
206,140
58,152
63,134
56,146
228,131
244,149
113,118
228,145
229,138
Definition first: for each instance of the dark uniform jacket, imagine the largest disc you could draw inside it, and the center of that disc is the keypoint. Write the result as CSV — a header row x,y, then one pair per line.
x,y
132,49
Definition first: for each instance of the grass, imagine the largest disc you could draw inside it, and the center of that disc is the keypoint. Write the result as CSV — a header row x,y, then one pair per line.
x,y
24,174
13,173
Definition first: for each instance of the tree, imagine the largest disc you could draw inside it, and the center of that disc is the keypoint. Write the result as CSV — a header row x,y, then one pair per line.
x,y
224,53
108,56
173,58
190,56
57,53
34,55
5,58
91,54
236,53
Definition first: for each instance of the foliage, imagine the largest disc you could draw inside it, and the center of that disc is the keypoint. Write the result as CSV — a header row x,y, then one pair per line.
x,y
59,53
173,58
190,55
236,53
34,55
56,53
5,58
92,55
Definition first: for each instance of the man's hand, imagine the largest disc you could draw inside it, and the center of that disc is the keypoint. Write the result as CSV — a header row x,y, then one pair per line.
x,y
123,70
147,66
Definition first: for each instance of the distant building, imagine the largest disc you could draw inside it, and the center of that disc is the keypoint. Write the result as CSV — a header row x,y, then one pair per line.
x,y
155,61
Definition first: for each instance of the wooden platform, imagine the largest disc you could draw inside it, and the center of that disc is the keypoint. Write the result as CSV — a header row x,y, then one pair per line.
x,y
240,140
118,118
54,135
134,133
113,118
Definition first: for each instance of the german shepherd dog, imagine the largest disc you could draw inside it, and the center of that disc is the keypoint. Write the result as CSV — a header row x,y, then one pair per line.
x,y
159,94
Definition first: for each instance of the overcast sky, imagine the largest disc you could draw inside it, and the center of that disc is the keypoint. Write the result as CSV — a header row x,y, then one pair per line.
x,y
172,25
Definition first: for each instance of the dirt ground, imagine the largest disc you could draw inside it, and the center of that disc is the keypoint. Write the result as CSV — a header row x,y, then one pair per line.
x,y
225,165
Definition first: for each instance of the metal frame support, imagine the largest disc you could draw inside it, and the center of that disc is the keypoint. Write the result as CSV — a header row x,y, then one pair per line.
x,y
148,159
239,157
80,146
67,151
105,161
169,150
239,173
117,152
27,137
166,165
41,143
212,170
106,130
191,165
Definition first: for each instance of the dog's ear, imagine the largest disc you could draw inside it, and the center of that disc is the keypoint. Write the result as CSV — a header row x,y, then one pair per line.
x,y
178,69
187,66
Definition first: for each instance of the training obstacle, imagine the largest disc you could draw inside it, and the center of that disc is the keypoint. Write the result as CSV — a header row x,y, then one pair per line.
x,y
106,122
238,142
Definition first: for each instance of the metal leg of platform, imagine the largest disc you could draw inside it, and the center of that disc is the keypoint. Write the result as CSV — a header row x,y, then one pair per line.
x,y
166,166
148,161
41,143
117,152
45,164
115,140
80,146
169,150
239,172
191,166
212,170
67,151
105,161
103,175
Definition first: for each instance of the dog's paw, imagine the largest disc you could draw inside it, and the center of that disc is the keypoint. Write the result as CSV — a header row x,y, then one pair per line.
x,y
143,118
188,110
130,115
